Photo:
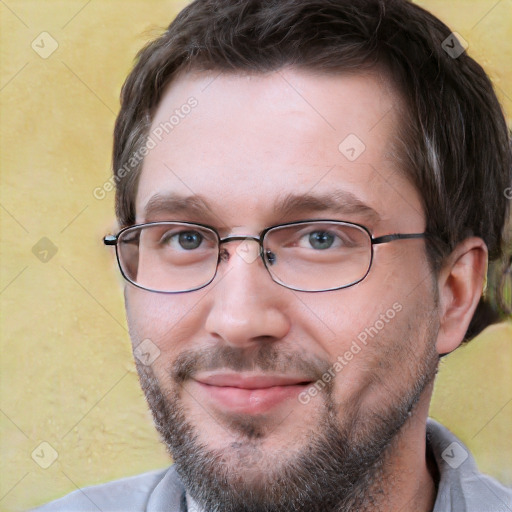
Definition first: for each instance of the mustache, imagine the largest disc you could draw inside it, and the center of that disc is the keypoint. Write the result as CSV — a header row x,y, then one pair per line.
x,y
266,358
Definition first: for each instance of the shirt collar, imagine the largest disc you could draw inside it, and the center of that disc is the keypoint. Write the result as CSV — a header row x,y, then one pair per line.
x,y
460,480
192,506
169,494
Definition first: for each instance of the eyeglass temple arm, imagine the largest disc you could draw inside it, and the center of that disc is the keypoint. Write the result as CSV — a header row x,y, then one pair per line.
x,y
110,240
389,238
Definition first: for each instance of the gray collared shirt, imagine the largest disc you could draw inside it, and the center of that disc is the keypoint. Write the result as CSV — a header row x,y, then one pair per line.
x,y
462,488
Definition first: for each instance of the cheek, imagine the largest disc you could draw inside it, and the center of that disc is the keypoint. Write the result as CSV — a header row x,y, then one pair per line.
x,y
167,320
364,340
389,355
397,288
337,319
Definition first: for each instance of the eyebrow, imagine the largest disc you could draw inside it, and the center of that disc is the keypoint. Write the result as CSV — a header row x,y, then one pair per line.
x,y
174,204
340,202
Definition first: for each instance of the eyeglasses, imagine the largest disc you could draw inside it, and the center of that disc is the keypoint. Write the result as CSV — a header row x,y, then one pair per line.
x,y
308,256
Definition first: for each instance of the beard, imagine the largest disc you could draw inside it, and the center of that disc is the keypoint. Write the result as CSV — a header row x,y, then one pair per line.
x,y
342,465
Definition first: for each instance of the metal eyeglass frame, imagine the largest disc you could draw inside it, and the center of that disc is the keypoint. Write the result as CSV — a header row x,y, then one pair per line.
x,y
113,240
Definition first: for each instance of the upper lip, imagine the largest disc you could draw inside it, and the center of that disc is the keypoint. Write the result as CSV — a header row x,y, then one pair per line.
x,y
249,381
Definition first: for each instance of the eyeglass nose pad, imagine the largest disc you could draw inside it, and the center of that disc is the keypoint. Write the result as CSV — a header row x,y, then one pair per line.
x,y
223,254
269,256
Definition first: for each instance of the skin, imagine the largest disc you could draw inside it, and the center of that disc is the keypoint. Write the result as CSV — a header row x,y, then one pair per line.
x,y
250,141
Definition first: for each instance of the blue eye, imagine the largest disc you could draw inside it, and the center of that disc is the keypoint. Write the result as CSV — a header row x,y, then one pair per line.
x,y
189,239
321,239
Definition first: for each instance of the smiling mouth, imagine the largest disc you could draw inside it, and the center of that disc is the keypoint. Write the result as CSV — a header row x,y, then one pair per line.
x,y
248,393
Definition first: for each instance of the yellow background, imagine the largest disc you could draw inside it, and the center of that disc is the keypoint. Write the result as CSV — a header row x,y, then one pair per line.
x,y
67,376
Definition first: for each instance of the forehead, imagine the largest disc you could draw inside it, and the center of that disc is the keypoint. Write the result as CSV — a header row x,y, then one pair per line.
x,y
242,144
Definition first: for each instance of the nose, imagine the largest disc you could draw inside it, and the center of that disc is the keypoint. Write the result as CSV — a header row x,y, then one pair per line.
x,y
247,306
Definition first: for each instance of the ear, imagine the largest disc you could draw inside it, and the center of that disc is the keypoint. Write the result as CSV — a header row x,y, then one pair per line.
x,y
460,284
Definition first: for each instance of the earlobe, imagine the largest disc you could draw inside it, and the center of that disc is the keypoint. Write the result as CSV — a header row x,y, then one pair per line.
x,y
460,283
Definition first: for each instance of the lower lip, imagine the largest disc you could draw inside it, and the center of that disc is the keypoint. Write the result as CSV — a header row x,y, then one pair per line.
x,y
249,401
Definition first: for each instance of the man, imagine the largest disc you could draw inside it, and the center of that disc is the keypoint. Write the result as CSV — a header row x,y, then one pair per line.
x,y
308,193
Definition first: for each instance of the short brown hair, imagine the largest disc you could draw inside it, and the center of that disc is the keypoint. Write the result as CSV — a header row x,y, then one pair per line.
x,y
455,143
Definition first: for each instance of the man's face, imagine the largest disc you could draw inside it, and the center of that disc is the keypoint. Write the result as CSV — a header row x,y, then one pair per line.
x,y
231,388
